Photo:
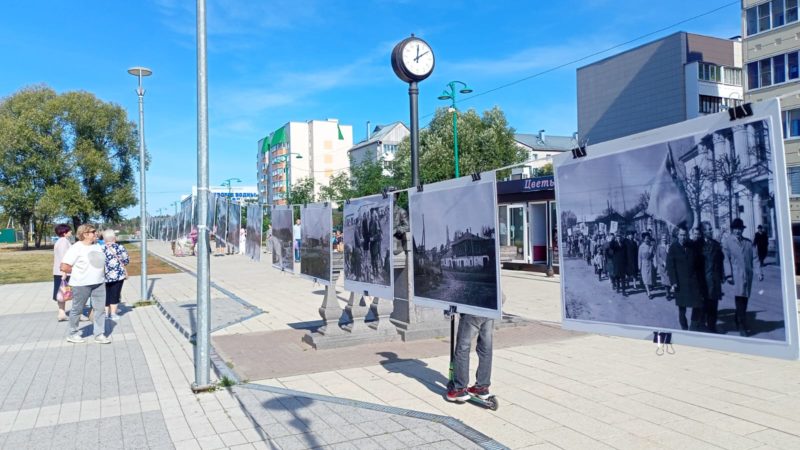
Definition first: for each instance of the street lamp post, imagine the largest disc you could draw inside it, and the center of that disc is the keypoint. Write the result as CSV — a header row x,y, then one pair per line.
x,y
451,95
140,72
228,207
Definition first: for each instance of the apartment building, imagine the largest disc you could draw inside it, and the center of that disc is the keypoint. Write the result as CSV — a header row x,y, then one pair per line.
x,y
381,143
771,31
297,150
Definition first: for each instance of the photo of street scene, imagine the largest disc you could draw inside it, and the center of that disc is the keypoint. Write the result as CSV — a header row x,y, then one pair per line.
x,y
315,245
282,250
220,220
233,227
453,227
678,235
368,246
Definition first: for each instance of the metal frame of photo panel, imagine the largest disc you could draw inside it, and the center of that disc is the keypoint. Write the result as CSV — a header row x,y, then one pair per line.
x,y
768,110
487,178
280,209
318,206
375,290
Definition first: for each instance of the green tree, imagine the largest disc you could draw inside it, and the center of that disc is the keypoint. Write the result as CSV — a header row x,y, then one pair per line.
x,y
68,155
302,192
484,142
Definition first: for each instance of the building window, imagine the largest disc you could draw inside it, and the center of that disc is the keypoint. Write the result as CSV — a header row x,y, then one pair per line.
x,y
709,72
752,21
732,76
765,72
769,15
752,75
777,13
779,69
791,11
763,17
794,180
792,59
709,104
791,123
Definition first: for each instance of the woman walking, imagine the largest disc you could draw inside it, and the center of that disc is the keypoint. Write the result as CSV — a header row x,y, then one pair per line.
x,y
63,231
646,254
661,265
85,263
116,273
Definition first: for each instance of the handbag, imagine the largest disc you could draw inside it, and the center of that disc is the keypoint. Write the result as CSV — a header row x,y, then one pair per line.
x,y
64,292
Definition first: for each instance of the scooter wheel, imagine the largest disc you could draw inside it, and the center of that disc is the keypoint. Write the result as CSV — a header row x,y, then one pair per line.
x,y
493,403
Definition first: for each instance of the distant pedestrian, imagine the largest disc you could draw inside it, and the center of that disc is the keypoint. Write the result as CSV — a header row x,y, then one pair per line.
x,y
193,238
63,231
116,272
661,265
242,240
712,276
296,235
631,258
645,258
85,263
761,242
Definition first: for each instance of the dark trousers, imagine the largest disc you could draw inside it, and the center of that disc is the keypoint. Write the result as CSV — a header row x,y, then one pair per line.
x,y
711,306
695,318
741,312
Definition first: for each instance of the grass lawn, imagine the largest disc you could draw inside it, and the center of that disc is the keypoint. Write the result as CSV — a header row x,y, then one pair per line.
x,y
18,266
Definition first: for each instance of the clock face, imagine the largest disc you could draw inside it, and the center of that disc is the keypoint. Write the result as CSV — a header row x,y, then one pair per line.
x,y
417,57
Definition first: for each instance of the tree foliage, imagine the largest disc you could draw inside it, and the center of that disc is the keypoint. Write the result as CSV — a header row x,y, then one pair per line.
x,y
302,192
64,155
484,142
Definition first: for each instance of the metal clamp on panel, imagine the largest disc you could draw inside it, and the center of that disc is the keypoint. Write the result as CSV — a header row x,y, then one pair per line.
x,y
740,112
476,176
419,188
579,152
450,312
663,341
385,192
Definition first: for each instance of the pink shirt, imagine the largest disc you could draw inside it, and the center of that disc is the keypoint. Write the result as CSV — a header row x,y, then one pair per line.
x,y
59,250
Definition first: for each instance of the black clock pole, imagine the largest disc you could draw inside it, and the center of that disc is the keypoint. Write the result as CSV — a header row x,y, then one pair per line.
x,y
413,94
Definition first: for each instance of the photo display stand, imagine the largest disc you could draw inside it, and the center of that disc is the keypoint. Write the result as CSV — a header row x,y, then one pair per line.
x,y
316,225
702,251
282,238
368,244
455,245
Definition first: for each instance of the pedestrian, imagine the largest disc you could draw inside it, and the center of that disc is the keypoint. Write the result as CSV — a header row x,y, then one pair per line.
x,y
60,248
631,258
242,240
193,238
468,327
116,272
297,235
712,275
598,263
761,242
620,263
661,265
85,263
738,251
645,258
683,266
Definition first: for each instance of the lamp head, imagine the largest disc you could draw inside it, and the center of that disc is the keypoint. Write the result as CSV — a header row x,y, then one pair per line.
x,y
445,96
466,90
298,156
139,71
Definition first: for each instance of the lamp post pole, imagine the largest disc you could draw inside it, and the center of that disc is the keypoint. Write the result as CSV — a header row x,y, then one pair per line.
x,y
140,72
450,94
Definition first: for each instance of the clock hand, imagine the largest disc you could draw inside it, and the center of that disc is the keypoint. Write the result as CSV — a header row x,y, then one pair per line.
x,y
420,56
417,58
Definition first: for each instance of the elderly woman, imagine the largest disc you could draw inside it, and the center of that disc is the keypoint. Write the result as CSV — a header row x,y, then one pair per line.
x,y
116,273
63,231
85,263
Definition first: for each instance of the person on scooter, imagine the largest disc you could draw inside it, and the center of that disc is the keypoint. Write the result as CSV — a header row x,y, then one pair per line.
x,y
468,327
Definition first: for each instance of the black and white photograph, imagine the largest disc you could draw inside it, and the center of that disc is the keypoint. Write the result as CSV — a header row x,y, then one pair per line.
x,y
255,219
234,225
282,250
687,233
220,220
368,246
455,247
316,223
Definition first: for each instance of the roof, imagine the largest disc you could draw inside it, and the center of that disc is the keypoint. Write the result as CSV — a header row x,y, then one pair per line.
x,y
551,143
379,134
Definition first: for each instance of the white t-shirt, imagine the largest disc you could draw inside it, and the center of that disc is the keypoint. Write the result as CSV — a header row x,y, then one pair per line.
x,y
59,250
88,264
296,232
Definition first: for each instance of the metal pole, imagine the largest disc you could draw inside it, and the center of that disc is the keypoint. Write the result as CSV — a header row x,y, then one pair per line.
x,y
201,354
413,93
142,192
455,133
227,218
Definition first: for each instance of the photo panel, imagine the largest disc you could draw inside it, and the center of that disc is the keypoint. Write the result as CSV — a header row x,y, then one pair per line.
x,y
234,226
315,242
368,262
255,220
221,220
455,246
281,240
683,229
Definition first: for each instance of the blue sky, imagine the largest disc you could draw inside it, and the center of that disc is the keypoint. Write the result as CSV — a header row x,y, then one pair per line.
x,y
271,62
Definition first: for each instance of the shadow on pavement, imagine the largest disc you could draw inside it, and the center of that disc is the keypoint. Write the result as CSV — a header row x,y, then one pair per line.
x,y
293,405
415,369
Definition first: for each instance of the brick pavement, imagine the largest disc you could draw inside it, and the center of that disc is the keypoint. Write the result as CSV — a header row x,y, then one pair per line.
x,y
590,391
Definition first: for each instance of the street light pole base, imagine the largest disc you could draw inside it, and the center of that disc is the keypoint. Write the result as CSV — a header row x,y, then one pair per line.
x,y
204,388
